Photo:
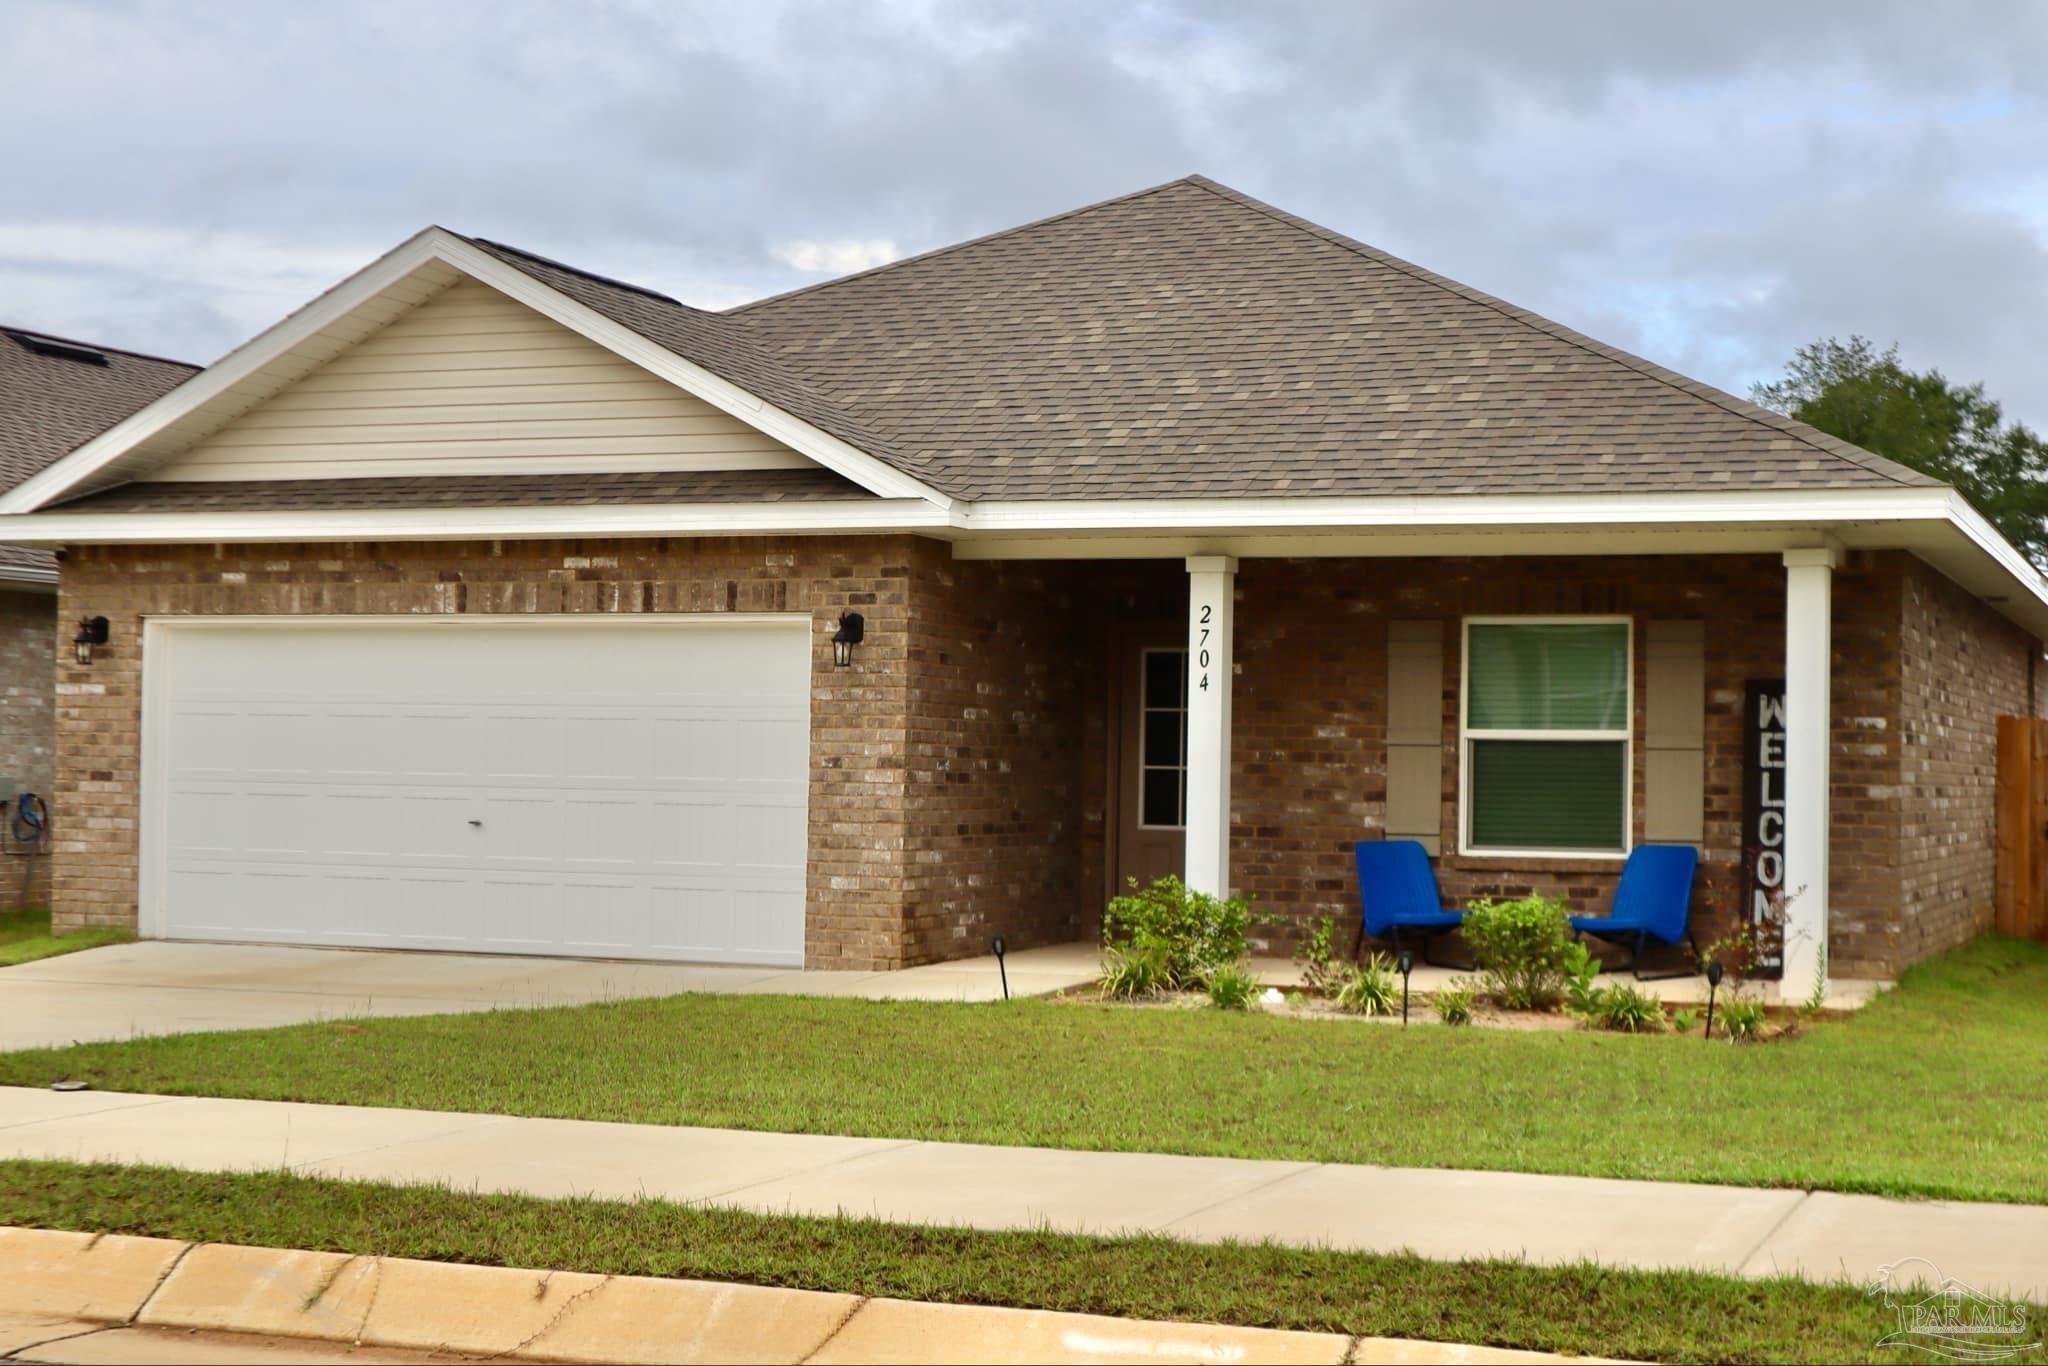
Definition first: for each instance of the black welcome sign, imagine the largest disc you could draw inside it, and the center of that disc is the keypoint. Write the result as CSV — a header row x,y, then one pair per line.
x,y
1763,807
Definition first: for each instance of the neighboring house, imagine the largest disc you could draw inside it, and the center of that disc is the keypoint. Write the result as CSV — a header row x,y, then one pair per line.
x,y
54,394
487,604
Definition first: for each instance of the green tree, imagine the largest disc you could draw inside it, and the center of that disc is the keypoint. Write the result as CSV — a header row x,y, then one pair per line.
x,y
1951,431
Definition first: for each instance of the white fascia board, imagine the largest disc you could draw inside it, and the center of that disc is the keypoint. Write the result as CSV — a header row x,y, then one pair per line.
x,y
425,248
1816,508
876,476
238,365
471,524
18,579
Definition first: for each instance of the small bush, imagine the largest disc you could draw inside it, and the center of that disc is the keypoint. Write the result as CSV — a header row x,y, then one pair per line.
x,y
1128,974
1233,987
1627,1009
1453,1002
1522,948
1369,990
1742,1021
1685,1019
1320,965
1191,934
1581,970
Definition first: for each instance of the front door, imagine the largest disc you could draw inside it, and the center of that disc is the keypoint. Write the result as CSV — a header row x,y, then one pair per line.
x,y
1152,762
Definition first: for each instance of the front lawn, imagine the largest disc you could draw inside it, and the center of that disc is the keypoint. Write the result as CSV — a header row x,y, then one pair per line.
x,y
1922,1093
1650,1316
25,936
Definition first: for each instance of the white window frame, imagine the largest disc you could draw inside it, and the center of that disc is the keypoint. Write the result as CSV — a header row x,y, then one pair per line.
x,y
1144,708
1466,735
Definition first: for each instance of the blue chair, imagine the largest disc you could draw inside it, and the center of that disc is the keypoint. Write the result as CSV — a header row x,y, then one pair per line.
x,y
1653,901
1396,892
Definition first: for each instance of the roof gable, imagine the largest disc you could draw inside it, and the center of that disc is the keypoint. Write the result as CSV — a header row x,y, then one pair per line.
x,y
375,297
471,382
1190,341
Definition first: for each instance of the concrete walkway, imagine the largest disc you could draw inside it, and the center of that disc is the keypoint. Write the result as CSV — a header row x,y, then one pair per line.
x,y
159,987
1440,1214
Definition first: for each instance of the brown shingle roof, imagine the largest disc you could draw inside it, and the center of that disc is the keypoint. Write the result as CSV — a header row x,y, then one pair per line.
x,y
470,491
1189,340
52,404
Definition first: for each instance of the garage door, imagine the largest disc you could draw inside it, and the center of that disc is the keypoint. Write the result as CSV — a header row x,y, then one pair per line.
x,y
605,789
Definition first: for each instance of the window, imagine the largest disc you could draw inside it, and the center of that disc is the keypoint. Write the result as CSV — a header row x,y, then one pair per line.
x,y
1163,740
1546,736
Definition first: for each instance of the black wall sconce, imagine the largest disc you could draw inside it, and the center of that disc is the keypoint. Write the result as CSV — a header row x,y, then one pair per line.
x,y
91,631
852,630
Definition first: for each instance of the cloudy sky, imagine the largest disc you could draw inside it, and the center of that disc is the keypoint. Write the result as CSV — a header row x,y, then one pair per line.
x,y
1709,185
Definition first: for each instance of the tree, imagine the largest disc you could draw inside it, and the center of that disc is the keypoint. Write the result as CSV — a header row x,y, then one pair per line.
x,y
1951,431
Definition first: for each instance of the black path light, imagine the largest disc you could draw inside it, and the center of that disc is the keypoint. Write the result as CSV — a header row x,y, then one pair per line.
x,y
1713,981
997,945
1406,962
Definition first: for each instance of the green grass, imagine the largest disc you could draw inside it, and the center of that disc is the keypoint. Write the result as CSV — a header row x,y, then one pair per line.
x,y
1657,1316
1921,1093
25,936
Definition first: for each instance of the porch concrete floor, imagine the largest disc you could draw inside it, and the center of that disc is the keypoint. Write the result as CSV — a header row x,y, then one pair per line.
x,y
159,987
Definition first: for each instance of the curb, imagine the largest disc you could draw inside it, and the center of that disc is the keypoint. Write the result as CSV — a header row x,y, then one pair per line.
x,y
116,1281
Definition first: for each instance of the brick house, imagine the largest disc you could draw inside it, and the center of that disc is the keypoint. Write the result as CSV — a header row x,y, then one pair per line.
x,y
487,604
54,394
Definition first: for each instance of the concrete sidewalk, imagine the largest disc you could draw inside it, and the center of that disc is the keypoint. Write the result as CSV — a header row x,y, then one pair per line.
x,y
157,987
1442,1214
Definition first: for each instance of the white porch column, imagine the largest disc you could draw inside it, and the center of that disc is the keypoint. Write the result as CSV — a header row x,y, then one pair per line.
x,y
1211,581
1809,725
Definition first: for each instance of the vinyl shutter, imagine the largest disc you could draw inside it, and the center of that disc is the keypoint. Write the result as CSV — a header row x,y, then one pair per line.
x,y
1415,732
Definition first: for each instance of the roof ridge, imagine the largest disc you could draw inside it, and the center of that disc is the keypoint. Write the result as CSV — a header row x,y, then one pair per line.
x,y
13,329
1739,407
612,280
950,247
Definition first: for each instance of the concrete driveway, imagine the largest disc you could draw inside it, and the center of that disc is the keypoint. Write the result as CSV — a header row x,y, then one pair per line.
x,y
158,987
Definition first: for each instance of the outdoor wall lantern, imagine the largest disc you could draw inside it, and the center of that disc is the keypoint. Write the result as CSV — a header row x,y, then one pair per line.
x,y
91,631
852,630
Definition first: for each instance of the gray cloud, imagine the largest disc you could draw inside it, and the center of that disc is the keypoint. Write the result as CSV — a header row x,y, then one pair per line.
x,y
1710,185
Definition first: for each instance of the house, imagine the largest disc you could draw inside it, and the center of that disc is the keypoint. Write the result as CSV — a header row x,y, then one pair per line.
x,y
487,604
54,394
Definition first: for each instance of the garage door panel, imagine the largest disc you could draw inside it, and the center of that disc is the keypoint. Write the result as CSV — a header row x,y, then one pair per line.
x,y
319,785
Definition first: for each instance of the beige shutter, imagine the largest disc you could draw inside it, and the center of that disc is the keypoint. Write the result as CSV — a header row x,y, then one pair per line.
x,y
1674,733
1415,732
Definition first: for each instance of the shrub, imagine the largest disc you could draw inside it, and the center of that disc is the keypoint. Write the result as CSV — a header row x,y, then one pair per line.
x,y
1453,1002
1521,947
1191,933
1233,987
1685,1019
1742,1021
1368,990
1581,969
1627,1009
1131,973
1320,966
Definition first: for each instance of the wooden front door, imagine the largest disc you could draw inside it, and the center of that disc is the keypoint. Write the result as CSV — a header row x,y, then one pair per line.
x,y
1152,758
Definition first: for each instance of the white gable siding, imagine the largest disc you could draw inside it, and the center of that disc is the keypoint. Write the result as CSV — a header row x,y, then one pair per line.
x,y
473,383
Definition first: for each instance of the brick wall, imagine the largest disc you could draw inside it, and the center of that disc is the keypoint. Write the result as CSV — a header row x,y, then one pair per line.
x,y
858,836
1963,667
994,756
28,635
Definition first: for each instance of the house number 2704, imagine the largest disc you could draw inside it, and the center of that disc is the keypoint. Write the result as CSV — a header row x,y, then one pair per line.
x,y
1202,645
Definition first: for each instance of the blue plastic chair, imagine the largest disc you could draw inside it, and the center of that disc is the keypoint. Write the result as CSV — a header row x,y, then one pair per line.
x,y
1653,901
1396,892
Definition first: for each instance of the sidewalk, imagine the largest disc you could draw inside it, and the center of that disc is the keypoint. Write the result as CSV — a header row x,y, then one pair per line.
x,y
76,1297
1450,1215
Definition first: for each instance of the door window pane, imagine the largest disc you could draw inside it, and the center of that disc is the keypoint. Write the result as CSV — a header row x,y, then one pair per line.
x,y
1163,739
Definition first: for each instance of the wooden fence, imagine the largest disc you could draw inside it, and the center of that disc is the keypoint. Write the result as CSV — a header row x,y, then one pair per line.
x,y
2022,889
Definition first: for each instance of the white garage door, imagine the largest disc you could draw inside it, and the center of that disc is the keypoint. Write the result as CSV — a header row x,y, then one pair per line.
x,y
596,788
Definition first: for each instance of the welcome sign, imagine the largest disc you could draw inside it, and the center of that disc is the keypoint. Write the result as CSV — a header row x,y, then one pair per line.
x,y
1763,803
